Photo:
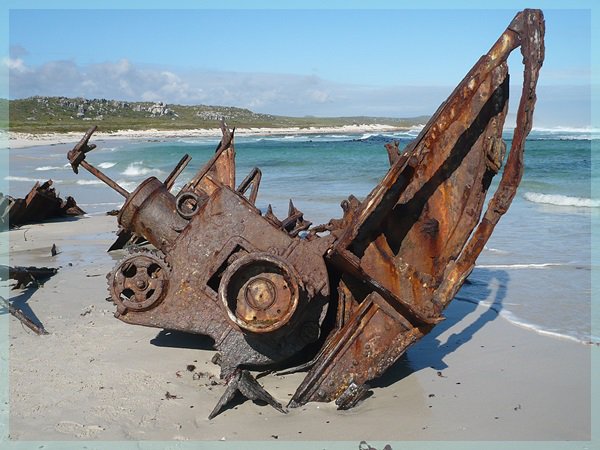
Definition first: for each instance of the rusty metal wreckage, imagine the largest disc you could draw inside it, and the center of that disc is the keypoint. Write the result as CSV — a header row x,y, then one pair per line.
x,y
354,293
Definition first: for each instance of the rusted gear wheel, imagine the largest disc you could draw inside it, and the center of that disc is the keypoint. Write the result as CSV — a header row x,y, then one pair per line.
x,y
139,281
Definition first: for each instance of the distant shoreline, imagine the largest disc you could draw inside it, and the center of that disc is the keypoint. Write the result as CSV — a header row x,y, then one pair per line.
x,y
23,140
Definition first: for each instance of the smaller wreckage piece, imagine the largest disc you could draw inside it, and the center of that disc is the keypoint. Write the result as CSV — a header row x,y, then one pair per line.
x,y
41,203
26,275
343,299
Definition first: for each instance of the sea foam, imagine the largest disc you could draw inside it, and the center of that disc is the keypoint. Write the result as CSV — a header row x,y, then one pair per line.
x,y
117,204
561,200
566,130
44,168
86,182
519,266
106,165
128,185
581,338
31,180
26,179
136,169
366,136
512,318
495,250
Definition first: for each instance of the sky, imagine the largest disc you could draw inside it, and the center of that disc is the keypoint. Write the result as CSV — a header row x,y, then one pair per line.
x,y
396,63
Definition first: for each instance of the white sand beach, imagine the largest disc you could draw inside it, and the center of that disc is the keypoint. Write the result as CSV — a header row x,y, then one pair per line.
x,y
21,140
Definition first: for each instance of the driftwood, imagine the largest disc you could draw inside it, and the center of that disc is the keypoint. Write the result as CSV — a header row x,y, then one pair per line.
x,y
40,204
16,312
25,276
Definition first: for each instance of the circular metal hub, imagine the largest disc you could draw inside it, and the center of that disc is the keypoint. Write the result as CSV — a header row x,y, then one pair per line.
x,y
139,281
260,292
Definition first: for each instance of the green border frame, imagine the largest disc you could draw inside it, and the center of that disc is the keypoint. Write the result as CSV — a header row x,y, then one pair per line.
x,y
6,443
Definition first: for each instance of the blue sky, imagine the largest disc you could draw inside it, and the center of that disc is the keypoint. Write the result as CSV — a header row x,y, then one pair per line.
x,y
295,62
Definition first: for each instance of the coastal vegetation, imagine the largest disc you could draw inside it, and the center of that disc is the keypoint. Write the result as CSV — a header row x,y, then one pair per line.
x,y
61,114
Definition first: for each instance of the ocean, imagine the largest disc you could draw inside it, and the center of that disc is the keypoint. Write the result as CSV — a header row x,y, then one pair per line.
x,y
535,271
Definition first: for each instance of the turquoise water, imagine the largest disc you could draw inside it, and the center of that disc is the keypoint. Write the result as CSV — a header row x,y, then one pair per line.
x,y
535,270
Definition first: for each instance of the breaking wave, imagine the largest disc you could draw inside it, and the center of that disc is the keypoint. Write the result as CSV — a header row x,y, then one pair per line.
x,y
128,185
566,129
86,182
519,266
44,168
118,204
106,165
366,136
515,320
32,180
29,180
495,250
561,200
136,169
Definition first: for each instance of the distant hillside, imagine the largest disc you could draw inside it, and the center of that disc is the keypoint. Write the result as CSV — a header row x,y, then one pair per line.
x,y
61,114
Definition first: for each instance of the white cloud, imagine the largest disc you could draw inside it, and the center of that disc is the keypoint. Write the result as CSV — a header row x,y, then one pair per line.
x,y
122,67
319,96
150,96
16,65
283,94
126,81
124,86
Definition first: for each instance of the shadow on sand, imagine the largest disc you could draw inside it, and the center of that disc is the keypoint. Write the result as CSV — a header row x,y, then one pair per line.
x,y
484,285
180,339
20,300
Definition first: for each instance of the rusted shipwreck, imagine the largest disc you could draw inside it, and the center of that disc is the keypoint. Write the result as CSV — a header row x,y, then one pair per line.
x,y
41,203
358,290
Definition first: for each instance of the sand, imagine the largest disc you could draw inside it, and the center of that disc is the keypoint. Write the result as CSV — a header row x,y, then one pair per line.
x,y
475,377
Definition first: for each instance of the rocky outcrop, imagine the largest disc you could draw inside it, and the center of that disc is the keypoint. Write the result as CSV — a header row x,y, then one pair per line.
x,y
212,115
159,109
